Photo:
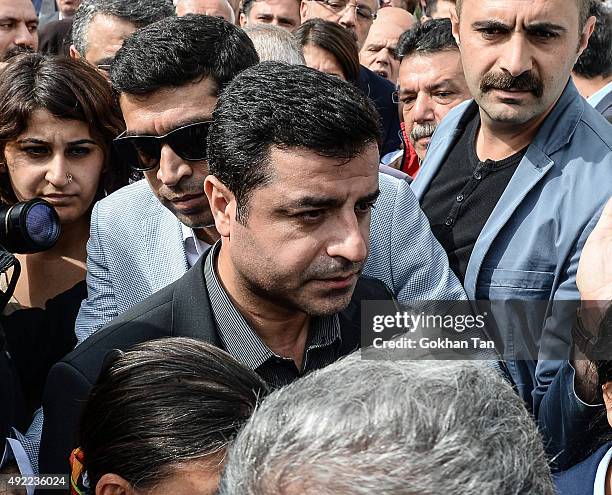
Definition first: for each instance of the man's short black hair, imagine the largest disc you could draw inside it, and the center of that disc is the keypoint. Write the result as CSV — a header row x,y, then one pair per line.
x,y
596,59
179,50
433,36
284,106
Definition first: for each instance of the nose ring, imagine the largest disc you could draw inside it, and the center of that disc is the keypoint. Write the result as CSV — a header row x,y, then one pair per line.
x,y
69,177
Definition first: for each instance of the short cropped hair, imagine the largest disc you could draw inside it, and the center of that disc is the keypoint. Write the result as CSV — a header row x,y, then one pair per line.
x,y
433,36
596,59
180,50
284,106
162,403
363,426
68,89
583,10
141,13
336,40
274,43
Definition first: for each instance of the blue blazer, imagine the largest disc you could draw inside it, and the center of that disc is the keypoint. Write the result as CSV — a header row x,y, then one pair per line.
x,y
579,480
530,246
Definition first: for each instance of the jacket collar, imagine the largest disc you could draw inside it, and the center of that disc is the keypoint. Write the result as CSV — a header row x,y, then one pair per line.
x,y
192,314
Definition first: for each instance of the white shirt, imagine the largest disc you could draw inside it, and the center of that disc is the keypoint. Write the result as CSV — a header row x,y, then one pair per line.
x,y
194,247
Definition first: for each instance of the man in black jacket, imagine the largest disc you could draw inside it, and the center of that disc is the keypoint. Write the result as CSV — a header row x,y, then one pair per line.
x,y
293,158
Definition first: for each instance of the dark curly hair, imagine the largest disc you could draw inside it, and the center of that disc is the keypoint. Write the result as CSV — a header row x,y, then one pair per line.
x,y
68,89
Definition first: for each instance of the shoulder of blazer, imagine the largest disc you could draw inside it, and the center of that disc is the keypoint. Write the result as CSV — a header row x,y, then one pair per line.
x,y
148,320
129,204
575,479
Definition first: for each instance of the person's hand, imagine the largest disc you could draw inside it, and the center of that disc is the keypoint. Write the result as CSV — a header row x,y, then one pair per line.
x,y
594,277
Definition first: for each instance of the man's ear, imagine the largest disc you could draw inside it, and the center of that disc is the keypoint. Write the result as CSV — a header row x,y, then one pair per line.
x,y
222,204
606,390
455,25
113,484
74,53
242,19
304,11
587,31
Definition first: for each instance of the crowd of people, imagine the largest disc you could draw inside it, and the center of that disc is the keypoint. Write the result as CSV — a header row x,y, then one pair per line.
x,y
239,184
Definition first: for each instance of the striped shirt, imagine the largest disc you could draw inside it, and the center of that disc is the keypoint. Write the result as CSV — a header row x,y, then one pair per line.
x,y
243,343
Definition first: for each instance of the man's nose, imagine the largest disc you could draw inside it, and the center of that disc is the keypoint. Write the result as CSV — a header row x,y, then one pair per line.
x,y
516,56
25,37
348,17
423,109
172,168
349,241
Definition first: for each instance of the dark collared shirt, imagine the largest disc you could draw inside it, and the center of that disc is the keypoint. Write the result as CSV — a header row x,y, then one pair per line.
x,y
243,343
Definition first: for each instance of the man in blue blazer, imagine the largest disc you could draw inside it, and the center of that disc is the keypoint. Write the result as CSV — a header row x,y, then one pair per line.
x,y
514,182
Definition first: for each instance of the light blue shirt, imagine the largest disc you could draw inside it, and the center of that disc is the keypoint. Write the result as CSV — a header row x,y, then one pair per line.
x,y
595,98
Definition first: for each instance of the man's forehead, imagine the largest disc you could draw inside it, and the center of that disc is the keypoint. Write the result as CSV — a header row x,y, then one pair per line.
x,y
313,166
17,9
520,12
380,33
432,67
170,107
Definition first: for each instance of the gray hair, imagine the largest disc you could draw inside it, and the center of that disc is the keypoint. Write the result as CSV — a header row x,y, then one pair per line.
x,y
141,13
274,43
393,427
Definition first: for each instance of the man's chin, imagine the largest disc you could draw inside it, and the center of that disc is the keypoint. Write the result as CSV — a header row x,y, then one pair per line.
x,y
329,303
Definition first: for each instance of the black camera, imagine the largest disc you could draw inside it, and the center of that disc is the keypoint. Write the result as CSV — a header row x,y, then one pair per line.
x,y
28,227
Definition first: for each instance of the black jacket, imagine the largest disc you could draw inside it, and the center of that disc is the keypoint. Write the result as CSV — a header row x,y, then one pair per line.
x,y
180,309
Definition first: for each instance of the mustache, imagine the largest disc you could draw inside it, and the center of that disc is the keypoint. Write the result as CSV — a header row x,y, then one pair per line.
x,y
527,81
17,50
422,130
332,268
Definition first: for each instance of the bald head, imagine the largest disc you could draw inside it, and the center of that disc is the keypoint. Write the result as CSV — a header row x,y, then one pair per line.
x,y
378,51
214,8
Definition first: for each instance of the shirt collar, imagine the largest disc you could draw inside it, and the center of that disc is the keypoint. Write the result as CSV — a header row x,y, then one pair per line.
x,y
194,247
239,339
599,487
599,95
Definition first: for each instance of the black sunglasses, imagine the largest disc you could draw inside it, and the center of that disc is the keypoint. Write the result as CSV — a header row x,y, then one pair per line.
x,y
143,152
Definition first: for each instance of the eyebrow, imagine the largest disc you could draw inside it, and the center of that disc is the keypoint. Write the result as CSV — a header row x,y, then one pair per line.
x,y
490,25
325,201
444,83
535,26
545,26
42,141
182,123
15,19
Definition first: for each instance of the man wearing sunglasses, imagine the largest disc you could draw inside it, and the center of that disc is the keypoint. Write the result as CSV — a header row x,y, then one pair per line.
x,y
356,16
149,233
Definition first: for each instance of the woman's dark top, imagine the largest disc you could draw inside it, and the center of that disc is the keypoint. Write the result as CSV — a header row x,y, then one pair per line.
x,y
38,338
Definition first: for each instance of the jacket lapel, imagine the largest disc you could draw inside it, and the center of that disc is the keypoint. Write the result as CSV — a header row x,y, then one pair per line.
x,y
556,131
192,314
531,170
